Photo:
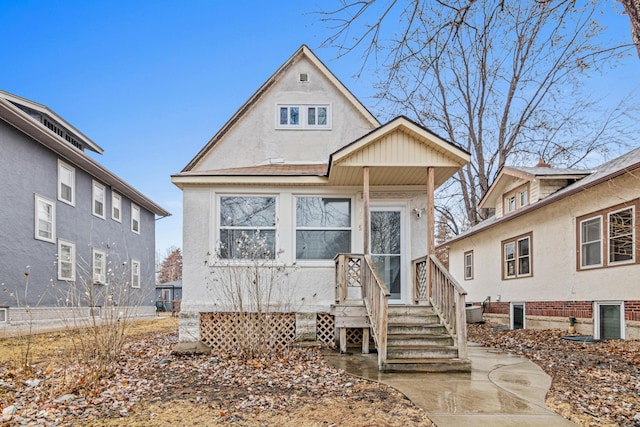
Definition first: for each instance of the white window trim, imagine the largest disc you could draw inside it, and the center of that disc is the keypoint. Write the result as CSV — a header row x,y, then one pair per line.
x,y
302,123
95,184
219,227
102,278
581,242
37,200
115,196
596,318
320,262
73,260
5,314
133,281
135,208
468,254
633,236
524,314
71,169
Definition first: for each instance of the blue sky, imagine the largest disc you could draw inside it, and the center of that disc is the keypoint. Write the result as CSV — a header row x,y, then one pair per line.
x,y
152,81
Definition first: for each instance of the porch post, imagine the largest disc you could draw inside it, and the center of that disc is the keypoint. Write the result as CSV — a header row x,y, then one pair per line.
x,y
366,219
431,246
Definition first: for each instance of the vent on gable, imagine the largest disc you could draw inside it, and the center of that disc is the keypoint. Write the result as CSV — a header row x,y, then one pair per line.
x,y
303,77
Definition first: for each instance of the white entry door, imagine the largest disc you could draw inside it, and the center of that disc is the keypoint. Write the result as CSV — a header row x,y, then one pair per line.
x,y
387,248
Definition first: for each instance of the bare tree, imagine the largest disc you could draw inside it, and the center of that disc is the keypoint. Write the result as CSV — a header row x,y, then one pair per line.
x,y
632,9
171,267
504,80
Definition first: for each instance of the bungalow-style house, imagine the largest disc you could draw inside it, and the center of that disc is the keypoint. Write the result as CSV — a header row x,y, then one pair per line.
x,y
169,296
71,232
563,244
342,201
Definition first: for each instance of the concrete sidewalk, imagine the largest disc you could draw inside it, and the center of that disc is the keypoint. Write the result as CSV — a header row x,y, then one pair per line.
x,y
501,390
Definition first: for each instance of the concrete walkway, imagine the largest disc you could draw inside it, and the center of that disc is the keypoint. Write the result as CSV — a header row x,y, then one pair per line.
x,y
501,390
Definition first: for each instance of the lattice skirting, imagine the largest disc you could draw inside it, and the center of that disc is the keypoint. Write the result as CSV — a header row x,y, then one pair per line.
x,y
354,338
326,329
226,332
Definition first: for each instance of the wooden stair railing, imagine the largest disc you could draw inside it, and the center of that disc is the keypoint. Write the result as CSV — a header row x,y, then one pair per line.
x,y
376,299
445,295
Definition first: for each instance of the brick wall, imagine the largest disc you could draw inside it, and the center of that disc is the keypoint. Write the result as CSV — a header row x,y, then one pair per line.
x,y
578,309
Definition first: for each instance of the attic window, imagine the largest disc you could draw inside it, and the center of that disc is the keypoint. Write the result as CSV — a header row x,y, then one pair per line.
x,y
303,77
303,116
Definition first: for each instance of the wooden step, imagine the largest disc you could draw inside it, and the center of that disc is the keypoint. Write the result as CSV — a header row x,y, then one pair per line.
x,y
399,340
422,352
415,329
427,365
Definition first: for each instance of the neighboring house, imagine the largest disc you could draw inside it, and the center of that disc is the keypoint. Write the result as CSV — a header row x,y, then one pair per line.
x,y
562,244
305,164
168,296
70,230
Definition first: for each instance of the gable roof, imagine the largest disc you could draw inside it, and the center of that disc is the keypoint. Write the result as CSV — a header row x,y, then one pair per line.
x,y
509,173
21,120
302,52
626,163
399,143
46,111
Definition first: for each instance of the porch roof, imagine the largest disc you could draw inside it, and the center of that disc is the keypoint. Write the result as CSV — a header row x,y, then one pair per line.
x,y
397,153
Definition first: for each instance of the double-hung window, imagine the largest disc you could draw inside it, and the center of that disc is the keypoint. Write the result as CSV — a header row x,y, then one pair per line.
x,y
591,242
516,257
116,207
323,227
66,260
247,227
516,199
135,218
468,265
98,196
135,273
66,183
99,267
45,214
607,238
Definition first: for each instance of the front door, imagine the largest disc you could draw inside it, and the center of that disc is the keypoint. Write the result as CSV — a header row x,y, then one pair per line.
x,y
387,243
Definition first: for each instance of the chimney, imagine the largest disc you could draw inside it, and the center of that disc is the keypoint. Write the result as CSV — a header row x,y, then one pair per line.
x,y
543,164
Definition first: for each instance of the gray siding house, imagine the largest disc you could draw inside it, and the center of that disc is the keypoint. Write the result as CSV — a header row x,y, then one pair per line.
x,y
73,236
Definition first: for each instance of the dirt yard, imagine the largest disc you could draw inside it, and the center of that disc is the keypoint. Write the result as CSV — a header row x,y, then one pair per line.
x,y
151,387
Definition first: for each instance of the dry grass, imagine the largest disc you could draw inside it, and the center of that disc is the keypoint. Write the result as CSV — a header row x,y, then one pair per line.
x,y
51,345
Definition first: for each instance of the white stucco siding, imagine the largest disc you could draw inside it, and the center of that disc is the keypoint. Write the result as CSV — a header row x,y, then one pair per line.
x,y
256,138
554,247
310,286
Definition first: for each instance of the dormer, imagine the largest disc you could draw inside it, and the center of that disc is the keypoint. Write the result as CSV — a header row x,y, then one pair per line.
x,y
516,188
54,123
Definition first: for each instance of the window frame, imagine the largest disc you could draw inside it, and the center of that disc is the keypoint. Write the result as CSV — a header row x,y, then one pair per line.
x,y
37,199
303,116
582,244
468,255
116,197
633,236
136,279
605,238
311,228
516,256
72,171
515,195
96,185
220,227
102,279
135,218
72,246
4,314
